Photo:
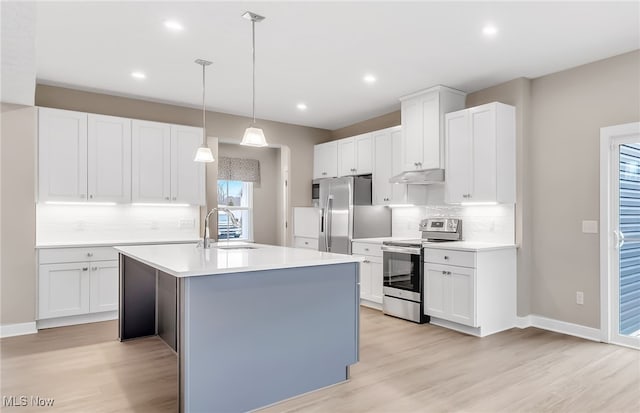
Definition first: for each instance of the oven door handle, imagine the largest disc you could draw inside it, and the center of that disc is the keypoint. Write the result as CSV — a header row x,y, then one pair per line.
x,y
401,250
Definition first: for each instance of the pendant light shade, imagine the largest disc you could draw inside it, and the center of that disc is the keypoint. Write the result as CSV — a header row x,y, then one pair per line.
x,y
203,154
253,136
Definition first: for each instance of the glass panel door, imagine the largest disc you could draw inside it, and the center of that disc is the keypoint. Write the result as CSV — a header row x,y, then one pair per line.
x,y
626,280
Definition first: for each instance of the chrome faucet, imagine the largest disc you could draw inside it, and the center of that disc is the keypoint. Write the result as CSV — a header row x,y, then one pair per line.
x,y
206,241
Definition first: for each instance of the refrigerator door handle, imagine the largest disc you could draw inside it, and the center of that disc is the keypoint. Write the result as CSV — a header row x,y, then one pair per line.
x,y
327,232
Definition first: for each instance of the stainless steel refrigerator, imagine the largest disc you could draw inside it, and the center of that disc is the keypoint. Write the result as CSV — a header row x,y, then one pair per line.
x,y
347,213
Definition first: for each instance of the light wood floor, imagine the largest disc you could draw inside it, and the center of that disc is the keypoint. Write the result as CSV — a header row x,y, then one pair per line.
x,y
404,367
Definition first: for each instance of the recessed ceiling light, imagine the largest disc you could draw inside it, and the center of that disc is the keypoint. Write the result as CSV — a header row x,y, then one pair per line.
x,y
490,30
138,75
369,78
301,106
173,25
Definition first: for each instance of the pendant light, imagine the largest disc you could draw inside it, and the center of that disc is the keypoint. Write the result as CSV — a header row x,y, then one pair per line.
x,y
253,136
203,154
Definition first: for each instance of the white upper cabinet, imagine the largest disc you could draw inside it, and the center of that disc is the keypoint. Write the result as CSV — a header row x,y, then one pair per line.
x,y
422,116
163,166
62,155
83,157
346,157
187,176
387,145
151,162
480,155
325,160
98,158
109,159
355,155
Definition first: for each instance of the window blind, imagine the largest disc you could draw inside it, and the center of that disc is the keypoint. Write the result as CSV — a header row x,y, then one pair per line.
x,y
238,169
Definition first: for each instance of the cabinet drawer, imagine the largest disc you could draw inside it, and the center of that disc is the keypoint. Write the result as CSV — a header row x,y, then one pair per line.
x,y
308,243
450,257
57,255
361,248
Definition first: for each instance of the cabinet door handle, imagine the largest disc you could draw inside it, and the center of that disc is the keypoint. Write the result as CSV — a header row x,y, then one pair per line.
x,y
85,268
366,261
89,254
446,257
90,196
306,243
166,197
174,198
444,273
94,268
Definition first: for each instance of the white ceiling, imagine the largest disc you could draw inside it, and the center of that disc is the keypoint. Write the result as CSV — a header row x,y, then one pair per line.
x,y
318,52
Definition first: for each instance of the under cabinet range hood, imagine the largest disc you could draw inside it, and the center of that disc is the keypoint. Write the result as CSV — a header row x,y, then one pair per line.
x,y
420,177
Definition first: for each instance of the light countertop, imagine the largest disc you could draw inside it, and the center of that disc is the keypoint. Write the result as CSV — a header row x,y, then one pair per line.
x,y
112,243
186,260
453,245
378,240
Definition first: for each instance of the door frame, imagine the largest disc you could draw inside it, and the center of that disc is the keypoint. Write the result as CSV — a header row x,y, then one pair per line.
x,y
609,137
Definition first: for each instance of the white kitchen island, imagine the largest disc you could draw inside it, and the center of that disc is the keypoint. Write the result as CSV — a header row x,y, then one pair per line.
x,y
251,324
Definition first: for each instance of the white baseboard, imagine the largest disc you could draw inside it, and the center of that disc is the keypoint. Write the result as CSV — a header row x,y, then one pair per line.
x,y
77,319
19,329
370,304
523,322
473,331
577,330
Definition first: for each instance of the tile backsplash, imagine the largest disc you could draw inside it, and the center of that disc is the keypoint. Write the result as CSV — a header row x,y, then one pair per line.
x,y
481,223
59,224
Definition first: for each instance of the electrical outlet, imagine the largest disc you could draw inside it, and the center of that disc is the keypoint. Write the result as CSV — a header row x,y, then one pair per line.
x,y
579,297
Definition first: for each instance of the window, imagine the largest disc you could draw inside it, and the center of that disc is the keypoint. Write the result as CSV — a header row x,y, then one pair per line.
x,y
236,196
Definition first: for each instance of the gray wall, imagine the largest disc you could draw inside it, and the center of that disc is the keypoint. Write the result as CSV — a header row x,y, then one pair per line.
x,y
568,109
265,193
17,214
369,125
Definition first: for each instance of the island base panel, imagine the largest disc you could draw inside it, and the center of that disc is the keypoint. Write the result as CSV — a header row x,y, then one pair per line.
x,y
137,299
252,339
167,309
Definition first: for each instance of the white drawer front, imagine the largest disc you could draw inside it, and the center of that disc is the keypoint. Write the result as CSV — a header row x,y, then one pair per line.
x,y
361,248
57,255
308,243
450,257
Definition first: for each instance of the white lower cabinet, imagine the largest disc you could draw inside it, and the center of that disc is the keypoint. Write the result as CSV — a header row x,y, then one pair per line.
x,y
471,291
450,293
64,289
71,282
371,273
104,286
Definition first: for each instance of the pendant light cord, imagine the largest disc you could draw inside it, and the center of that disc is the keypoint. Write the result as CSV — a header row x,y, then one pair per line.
x,y
253,41
204,112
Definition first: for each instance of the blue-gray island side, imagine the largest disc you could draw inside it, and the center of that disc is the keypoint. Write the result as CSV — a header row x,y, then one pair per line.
x,y
250,326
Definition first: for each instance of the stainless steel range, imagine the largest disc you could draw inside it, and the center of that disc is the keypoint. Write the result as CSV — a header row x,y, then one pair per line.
x,y
403,268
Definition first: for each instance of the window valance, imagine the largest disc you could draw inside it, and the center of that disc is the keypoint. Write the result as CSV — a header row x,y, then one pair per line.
x,y
237,169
